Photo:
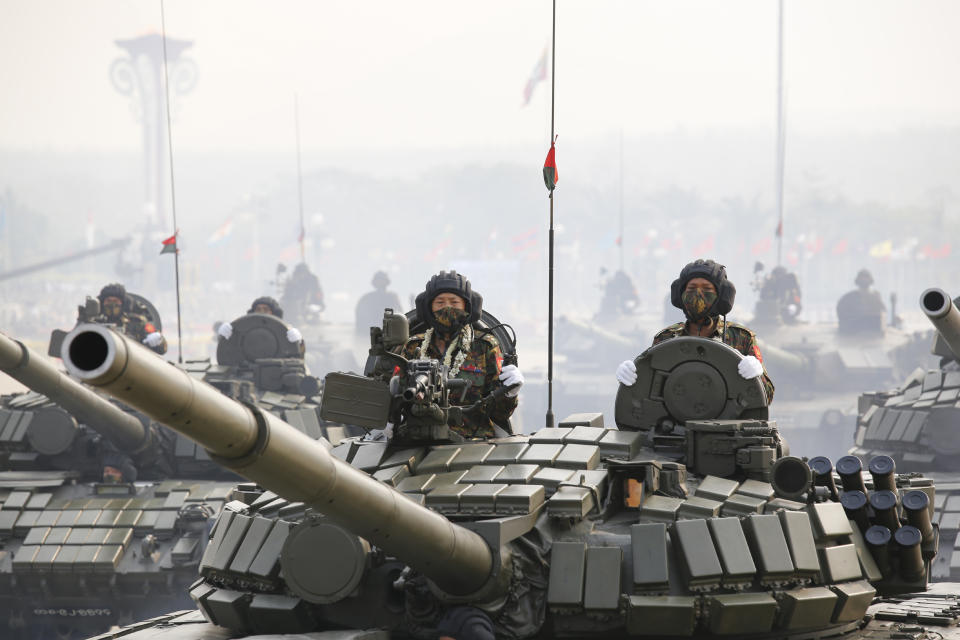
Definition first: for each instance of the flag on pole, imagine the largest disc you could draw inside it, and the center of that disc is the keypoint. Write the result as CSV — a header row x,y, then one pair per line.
x,y
169,245
550,174
539,75
222,232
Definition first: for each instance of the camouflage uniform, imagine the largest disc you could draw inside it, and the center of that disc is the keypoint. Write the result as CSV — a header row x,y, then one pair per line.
x,y
136,326
482,368
736,335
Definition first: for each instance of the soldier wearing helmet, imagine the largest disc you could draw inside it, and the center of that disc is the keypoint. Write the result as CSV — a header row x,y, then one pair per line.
x,y
861,311
704,294
451,310
370,306
269,306
116,308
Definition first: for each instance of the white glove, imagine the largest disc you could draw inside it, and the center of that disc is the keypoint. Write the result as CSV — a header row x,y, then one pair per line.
x,y
749,368
293,335
225,330
510,375
153,339
627,373
792,309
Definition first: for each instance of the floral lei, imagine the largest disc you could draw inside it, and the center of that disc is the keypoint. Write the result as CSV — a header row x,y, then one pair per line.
x,y
465,337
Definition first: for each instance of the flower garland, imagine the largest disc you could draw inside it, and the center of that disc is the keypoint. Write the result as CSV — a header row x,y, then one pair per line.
x,y
464,337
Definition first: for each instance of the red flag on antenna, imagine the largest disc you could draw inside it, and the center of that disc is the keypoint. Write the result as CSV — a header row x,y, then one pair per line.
x,y
550,174
169,245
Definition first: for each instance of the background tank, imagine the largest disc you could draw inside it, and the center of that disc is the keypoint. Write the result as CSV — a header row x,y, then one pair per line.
x,y
77,554
819,368
689,521
918,425
258,364
53,458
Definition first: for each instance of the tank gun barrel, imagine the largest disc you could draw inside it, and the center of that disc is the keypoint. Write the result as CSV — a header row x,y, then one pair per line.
x,y
780,361
944,316
123,429
282,459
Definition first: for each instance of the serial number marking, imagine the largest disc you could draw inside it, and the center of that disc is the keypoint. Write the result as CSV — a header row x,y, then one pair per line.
x,y
73,613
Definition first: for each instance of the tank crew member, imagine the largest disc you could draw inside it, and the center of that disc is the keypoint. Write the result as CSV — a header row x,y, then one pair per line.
x,y
465,623
782,288
116,309
302,295
861,311
704,294
370,306
451,309
619,297
263,304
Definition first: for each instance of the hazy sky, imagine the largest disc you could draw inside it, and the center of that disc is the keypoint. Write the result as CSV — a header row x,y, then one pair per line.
x,y
441,74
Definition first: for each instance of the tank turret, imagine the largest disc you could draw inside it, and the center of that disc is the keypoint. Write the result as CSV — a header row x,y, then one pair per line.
x,y
689,520
917,426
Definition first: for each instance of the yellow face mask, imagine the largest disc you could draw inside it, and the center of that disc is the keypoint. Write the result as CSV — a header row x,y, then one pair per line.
x,y
698,303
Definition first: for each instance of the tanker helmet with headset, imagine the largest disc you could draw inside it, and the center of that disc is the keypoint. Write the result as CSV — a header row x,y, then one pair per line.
x,y
448,282
716,274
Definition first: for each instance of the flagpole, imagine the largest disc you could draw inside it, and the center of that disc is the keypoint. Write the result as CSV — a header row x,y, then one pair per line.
x,y
296,119
553,93
173,192
781,134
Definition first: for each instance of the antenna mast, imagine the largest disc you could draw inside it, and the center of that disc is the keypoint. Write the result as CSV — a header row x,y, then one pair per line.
x,y
173,192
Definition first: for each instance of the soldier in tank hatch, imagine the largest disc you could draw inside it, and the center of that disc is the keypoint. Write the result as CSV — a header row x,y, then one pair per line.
x,y
861,311
370,306
451,310
269,306
704,294
116,308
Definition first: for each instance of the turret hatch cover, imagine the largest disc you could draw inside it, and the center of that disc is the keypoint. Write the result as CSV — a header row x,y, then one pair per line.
x,y
688,378
256,336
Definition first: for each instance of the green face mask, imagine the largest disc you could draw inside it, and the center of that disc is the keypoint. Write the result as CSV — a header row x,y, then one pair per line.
x,y
450,317
697,303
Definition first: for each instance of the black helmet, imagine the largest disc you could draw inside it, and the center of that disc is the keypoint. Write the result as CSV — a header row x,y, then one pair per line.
x,y
448,282
714,272
864,278
270,302
114,290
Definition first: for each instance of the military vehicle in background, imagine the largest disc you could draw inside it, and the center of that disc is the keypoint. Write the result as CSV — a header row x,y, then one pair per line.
x,y
130,546
917,424
819,369
586,353
690,520
128,502
330,347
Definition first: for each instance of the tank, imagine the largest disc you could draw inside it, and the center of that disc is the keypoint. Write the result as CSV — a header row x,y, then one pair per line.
x,y
57,440
917,424
128,549
689,520
820,368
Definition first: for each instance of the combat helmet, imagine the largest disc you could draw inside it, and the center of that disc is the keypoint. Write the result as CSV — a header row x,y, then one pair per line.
x,y
448,282
270,302
114,290
714,272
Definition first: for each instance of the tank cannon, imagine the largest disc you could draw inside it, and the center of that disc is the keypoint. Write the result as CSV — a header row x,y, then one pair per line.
x,y
945,317
127,432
